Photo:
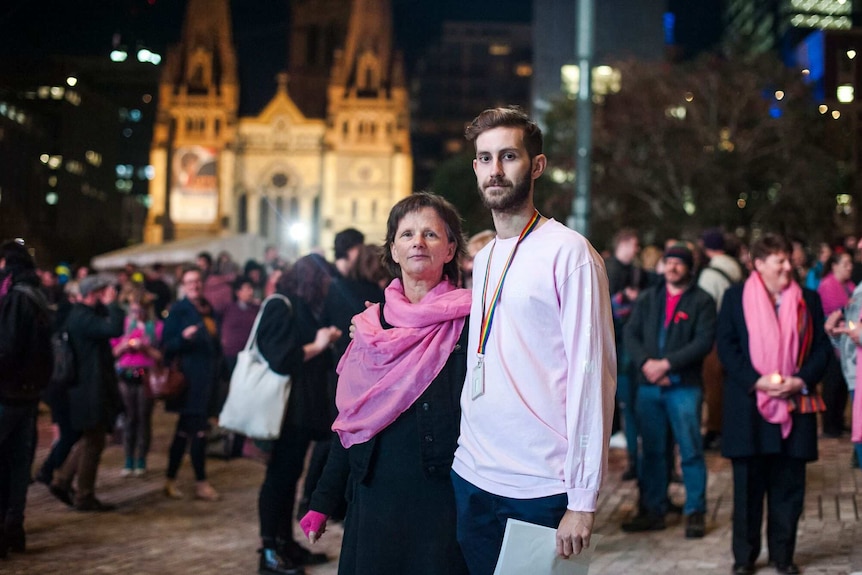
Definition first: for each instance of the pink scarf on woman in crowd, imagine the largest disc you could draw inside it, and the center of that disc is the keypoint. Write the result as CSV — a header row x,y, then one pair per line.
x,y
384,371
773,341
834,294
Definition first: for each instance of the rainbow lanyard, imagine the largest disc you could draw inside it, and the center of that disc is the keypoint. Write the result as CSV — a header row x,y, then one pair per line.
x,y
488,318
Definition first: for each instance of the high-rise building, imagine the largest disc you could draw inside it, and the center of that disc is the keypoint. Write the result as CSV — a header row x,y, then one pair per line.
x,y
473,66
286,174
759,26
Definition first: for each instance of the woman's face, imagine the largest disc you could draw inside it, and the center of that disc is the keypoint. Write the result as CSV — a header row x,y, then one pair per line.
x,y
421,247
843,268
775,270
137,311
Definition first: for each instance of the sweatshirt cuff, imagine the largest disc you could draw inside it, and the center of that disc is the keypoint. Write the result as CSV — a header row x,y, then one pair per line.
x,y
582,499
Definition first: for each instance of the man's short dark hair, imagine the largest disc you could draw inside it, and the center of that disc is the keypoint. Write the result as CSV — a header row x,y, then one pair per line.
x,y
347,239
206,256
507,117
769,244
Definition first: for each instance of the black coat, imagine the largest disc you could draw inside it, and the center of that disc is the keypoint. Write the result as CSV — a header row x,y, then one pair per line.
x,y
281,335
744,431
94,398
401,473
690,335
199,360
25,344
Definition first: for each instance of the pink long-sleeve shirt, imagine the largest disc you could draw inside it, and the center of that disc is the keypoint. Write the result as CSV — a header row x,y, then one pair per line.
x,y
543,424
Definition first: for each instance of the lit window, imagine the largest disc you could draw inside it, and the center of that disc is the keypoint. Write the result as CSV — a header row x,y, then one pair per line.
x,y
523,70
71,81
51,198
44,92
499,49
57,92
845,93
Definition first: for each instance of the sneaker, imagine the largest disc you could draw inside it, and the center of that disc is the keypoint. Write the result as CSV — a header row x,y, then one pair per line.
x,y
644,522
618,441
205,492
170,490
64,494
271,563
126,472
695,526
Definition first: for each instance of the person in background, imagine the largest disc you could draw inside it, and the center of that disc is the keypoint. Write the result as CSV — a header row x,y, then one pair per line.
x,y
835,289
774,351
721,271
236,326
155,284
625,280
25,368
670,331
398,394
799,260
257,275
137,351
844,326
476,242
294,341
818,269
94,400
191,334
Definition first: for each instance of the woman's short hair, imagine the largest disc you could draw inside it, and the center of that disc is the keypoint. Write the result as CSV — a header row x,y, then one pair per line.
x,y
769,244
454,232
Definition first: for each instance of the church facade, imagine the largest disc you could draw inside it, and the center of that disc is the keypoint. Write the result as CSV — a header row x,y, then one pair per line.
x,y
301,170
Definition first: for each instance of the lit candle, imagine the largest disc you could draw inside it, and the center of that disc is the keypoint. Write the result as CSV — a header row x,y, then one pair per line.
x,y
851,325
776,378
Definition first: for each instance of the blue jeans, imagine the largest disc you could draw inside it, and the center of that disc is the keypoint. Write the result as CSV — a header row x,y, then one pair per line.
x,y
680,407
17,438
482,518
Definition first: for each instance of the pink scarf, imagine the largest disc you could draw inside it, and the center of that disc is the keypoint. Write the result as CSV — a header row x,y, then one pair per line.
x,y
384,371
773,341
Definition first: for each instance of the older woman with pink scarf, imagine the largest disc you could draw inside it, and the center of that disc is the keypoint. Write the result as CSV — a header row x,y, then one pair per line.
x,y
771,342
398,402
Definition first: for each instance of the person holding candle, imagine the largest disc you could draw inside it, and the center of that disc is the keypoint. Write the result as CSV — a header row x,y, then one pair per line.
x,y
774,350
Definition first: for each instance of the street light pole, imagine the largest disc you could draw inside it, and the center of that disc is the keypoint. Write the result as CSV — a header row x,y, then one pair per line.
x,y
585,26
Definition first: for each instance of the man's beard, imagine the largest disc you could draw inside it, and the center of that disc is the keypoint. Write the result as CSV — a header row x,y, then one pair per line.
x,y
515,197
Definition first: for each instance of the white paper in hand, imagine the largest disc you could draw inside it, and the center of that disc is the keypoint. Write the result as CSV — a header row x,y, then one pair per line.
x,y
529,548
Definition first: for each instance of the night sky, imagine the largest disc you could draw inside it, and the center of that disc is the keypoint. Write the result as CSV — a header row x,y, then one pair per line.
x,y
87,27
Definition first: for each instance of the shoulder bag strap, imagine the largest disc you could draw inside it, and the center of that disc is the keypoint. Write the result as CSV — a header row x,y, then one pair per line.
x,y
252,337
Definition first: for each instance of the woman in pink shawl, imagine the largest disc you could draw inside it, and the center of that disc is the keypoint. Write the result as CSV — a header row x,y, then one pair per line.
x,y
835,289
771,342
398,397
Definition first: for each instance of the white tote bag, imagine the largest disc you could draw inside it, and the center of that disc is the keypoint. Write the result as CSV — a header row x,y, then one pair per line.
x,y
258,396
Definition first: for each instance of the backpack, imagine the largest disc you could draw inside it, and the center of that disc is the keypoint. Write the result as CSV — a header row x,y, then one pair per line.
x,y
63,375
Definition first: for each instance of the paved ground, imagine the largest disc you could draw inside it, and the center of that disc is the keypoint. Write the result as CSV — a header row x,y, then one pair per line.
x,y
150,534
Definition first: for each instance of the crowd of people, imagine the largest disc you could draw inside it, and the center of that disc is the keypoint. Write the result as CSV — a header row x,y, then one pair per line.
x,y
478,384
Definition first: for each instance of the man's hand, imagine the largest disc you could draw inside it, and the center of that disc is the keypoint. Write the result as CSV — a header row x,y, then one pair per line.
x,y
573,534
655,369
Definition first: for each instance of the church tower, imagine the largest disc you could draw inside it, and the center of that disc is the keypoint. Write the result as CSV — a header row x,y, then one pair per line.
x,y
367,162
193,141
317,29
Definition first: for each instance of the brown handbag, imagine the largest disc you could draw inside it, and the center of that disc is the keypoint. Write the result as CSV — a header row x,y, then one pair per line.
x,y
166,381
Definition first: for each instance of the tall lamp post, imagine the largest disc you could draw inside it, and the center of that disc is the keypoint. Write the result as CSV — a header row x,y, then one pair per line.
x,y
584,45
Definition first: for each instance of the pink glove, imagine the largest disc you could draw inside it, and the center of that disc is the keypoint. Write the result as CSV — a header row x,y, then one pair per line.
x,y
313,521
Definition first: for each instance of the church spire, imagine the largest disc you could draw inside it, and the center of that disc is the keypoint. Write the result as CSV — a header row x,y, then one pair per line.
x,y
368,65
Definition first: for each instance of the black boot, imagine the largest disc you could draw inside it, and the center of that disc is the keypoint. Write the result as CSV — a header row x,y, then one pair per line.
x,y
16,539
271,563
298,554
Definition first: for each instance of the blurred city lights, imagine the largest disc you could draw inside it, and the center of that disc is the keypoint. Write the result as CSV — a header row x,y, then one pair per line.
x,y
51,198
823,108
689,96
836,114
851,54
779,95
71,81
298,231
119,56
845,93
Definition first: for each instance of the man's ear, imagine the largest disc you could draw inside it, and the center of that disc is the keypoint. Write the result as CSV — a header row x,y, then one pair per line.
x,y
540,162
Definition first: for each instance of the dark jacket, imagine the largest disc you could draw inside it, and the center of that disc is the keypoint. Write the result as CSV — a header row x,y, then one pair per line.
x,y
25,343
438,415
690,335
282,333
199,360
744,431
94,398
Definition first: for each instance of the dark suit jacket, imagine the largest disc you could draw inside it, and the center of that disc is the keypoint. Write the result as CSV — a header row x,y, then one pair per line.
x,y
744,431
690,335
